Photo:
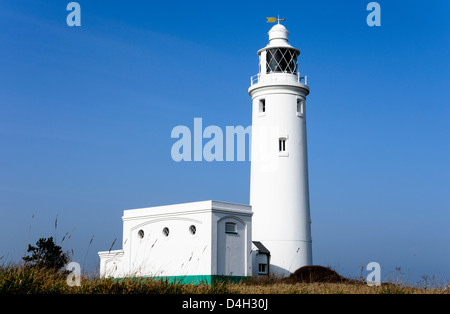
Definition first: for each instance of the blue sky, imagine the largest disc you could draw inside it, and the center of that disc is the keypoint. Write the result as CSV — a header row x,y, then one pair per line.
x,y
86,115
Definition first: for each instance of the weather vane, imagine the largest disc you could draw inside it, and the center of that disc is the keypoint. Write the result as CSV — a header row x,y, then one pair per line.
x,y
274,19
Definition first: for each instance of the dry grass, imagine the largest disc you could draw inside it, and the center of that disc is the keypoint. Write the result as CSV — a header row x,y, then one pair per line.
x,y
340,286
25,280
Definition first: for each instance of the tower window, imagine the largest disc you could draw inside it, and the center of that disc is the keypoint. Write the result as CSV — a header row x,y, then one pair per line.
x,y
165,231
282,145
262,106
141,233
192,229
300,107
262,269
230,227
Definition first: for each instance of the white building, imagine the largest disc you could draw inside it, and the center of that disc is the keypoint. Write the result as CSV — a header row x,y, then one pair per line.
x,y
203,241
191,242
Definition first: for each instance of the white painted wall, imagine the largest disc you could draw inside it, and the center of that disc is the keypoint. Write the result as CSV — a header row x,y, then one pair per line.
x,y
258,258
179,253
111,263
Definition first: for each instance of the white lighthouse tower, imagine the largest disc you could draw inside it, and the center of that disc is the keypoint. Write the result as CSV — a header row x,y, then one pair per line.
x,y
279,191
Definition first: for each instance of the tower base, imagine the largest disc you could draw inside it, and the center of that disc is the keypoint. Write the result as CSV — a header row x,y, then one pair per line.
x,y
299,253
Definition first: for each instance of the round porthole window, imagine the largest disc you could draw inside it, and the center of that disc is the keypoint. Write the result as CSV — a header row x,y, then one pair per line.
x,y
141,233
192,229
165,232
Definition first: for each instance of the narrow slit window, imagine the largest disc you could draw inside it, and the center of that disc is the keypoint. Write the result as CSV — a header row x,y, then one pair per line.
x,y
300,106
282,145
262,106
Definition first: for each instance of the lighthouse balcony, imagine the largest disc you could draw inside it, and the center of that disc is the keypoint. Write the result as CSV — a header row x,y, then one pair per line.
x,y
278,77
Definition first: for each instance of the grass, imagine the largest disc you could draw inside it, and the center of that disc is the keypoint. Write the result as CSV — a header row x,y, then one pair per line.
x,y
27,280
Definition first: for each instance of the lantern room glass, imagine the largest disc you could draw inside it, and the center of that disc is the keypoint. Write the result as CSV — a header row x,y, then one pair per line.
x,y
282,60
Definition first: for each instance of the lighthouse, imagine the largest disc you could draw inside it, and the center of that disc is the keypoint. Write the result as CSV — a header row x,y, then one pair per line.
x,y
279,189
201,242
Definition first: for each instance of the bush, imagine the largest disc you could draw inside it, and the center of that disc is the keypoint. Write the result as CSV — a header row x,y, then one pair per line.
x,y
46,254
310,274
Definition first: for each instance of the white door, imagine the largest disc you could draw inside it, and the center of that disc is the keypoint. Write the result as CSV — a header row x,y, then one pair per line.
x,y
231,247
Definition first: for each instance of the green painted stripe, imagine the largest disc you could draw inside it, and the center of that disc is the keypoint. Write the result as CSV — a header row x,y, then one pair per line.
x,y
197,279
